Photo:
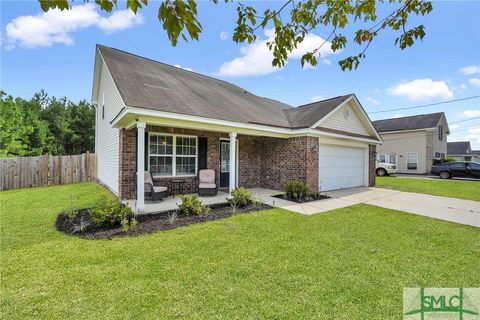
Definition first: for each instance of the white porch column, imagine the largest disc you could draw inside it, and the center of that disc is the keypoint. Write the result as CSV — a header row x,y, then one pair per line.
x,y
141,165
233,157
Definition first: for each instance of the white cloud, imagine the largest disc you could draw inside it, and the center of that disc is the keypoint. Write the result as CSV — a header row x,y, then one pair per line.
x,y
224,35
396,116
120,20
56,26
469,114
256,58
463,86
421,89
470,70
317,98
184,68
475,82
373,101
474,137
453,126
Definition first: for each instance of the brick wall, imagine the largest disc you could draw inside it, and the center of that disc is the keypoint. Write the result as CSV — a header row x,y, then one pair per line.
x,y
128,162
372,153
288,159
263,161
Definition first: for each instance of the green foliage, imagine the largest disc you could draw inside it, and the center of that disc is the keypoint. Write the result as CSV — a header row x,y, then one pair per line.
x,y
296,189
45,124
241,197
81,226
448,159
192,204
179,18
111,213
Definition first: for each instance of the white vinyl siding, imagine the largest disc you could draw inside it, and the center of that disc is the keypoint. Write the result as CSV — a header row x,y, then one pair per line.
x,y
400,143
352,124
107,138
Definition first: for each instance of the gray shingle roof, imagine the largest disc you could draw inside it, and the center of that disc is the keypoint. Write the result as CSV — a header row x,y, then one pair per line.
x,y
422,121
309,114
476,152
149,84
460,147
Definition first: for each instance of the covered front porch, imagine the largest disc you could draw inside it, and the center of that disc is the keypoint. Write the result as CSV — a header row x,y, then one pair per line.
x,y
171,203
171,153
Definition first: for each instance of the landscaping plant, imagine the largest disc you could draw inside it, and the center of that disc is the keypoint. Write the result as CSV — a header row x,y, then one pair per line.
x,y
111,213
192,204
241,197
296,189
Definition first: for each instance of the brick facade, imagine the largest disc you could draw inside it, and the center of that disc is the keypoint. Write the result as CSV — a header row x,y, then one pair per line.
x,y
263,161
372,163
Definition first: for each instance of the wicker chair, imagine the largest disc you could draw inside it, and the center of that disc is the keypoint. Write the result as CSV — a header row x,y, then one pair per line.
x,y
154,192
207,184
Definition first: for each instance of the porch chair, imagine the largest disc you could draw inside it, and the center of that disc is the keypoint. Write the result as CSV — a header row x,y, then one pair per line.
x,y
207,184
154,192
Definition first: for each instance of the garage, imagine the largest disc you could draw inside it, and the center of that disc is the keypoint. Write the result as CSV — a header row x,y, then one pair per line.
x,y
341,167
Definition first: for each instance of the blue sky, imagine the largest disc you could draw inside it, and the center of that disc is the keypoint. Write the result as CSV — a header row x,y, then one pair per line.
x,y
56,54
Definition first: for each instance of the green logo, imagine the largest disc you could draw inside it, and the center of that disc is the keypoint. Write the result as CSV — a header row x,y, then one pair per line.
x,y
441,303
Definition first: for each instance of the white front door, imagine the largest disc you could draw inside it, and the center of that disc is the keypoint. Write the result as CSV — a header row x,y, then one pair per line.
x,y
341,167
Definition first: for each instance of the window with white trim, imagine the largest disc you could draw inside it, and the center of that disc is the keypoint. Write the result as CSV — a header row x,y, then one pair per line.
x,y
170,155
387,158
412,160
440,133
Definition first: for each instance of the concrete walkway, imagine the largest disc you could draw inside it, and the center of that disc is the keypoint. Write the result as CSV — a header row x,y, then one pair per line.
x,y
449,209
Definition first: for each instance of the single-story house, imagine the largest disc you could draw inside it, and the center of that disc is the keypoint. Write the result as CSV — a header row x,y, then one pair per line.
x,y
412,143
173,122
462,151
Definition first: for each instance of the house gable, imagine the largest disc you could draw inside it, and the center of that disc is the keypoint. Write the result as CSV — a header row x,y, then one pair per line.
x,y
348,118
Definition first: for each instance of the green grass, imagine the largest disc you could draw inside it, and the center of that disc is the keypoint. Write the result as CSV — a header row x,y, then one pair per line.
x,y
351,263
469,190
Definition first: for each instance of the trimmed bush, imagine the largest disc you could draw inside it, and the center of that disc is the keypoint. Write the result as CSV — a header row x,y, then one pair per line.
x,y
241,197
112,213
192,205
296,189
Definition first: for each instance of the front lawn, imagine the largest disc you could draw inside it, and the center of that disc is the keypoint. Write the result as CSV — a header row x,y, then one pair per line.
x,y
469,190
351,263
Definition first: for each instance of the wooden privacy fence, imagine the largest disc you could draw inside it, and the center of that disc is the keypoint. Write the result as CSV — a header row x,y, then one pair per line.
x,y
26,172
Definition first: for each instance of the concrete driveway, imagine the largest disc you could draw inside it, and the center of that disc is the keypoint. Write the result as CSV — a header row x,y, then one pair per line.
x,y
449,209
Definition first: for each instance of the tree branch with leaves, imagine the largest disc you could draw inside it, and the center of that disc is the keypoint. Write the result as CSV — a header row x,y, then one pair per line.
x,y
292,21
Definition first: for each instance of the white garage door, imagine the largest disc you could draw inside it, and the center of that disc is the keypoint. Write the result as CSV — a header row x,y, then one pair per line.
x,y
340,167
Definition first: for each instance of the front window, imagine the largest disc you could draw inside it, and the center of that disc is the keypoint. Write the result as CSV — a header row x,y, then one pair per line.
x,y
386,158
440,133
412,161
172,155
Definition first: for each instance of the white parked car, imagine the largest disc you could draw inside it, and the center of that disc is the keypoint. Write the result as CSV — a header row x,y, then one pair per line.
x,y
385,169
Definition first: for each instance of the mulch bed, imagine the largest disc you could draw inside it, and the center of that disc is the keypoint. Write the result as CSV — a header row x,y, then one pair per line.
x,y
149,223
308,197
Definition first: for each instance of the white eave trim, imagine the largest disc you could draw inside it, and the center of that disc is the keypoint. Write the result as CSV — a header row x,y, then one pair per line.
x,y
234,125
402,131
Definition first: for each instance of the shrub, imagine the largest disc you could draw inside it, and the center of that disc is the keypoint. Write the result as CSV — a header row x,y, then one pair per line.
x,y
296,189
241,197
112,213
192,205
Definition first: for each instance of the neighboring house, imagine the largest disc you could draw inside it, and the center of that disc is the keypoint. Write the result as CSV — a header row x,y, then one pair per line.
x,y
462,151
173,122
412,143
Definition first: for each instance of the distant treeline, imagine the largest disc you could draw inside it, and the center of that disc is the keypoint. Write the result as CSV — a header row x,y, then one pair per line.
x,y
45,124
